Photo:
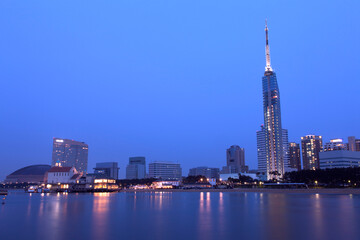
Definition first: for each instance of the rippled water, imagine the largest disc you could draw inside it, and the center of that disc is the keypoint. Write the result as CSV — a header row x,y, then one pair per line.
x,y
180,215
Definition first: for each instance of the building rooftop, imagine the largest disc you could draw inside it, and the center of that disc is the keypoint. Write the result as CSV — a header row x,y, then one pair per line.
x,y
60,169
32,170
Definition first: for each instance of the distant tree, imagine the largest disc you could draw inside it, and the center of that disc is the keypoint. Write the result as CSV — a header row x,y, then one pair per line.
x,y
336,177
128,182
195,179
241,179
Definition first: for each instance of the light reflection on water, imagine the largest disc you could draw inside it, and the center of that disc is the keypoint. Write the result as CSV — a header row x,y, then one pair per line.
x,y
100,212
176,215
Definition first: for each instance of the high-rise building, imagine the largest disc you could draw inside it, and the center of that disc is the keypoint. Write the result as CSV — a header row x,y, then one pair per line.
x,y
165,170
311,146
70,153
205,171
274,149
108,169
261,152
294,156
235,159
286,153
335,145
357,145
353,144
136,169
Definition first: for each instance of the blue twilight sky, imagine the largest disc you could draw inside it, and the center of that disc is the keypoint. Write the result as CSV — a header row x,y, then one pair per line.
x,y
171,80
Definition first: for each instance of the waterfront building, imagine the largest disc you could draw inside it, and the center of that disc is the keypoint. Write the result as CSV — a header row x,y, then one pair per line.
x,y
235,159
29,174
61,177
70,153
100,183
339,159
294,156
165,170
353,144
165,184
273,165
311,146
136,169
108,169
205,171
335,145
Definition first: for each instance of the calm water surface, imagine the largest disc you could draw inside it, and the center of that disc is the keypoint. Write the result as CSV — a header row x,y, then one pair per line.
x,y
180,215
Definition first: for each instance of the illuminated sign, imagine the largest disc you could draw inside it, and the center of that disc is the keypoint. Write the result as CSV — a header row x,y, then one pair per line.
x,y
59,140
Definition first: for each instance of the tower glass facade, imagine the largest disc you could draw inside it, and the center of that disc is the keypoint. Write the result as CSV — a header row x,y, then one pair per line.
x,y
274,149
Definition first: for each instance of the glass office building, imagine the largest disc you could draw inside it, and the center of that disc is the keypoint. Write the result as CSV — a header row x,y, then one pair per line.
x,y
165,170
136,169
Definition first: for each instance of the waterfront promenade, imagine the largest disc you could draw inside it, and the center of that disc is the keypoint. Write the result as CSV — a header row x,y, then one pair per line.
x,y
259,190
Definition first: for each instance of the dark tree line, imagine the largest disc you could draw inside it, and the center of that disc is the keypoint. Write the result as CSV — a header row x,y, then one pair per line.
x,y
16,185
336,177
242,179
194,179
128,182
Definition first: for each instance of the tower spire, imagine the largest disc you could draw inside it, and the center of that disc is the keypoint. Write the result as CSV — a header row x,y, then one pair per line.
x,y
267,49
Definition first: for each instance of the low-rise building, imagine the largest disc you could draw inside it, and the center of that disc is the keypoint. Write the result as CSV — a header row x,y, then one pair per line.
x,y
60,175
165,184
30,174
165,170
109,169
100,183
205,171
339,159
60,178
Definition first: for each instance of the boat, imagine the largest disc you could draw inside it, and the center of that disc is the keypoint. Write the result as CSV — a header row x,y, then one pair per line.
x,y
3,192
31,189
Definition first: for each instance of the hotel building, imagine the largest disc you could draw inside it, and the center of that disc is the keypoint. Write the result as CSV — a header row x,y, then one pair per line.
x,y
70,153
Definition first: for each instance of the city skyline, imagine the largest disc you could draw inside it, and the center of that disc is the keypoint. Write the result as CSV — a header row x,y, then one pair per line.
x,y
180,103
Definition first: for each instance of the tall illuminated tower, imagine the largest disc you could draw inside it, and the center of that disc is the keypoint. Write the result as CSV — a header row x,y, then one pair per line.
x,y
272,120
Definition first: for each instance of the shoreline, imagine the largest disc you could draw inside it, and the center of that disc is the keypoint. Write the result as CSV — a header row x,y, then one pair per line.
x,y
257,190
344,191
